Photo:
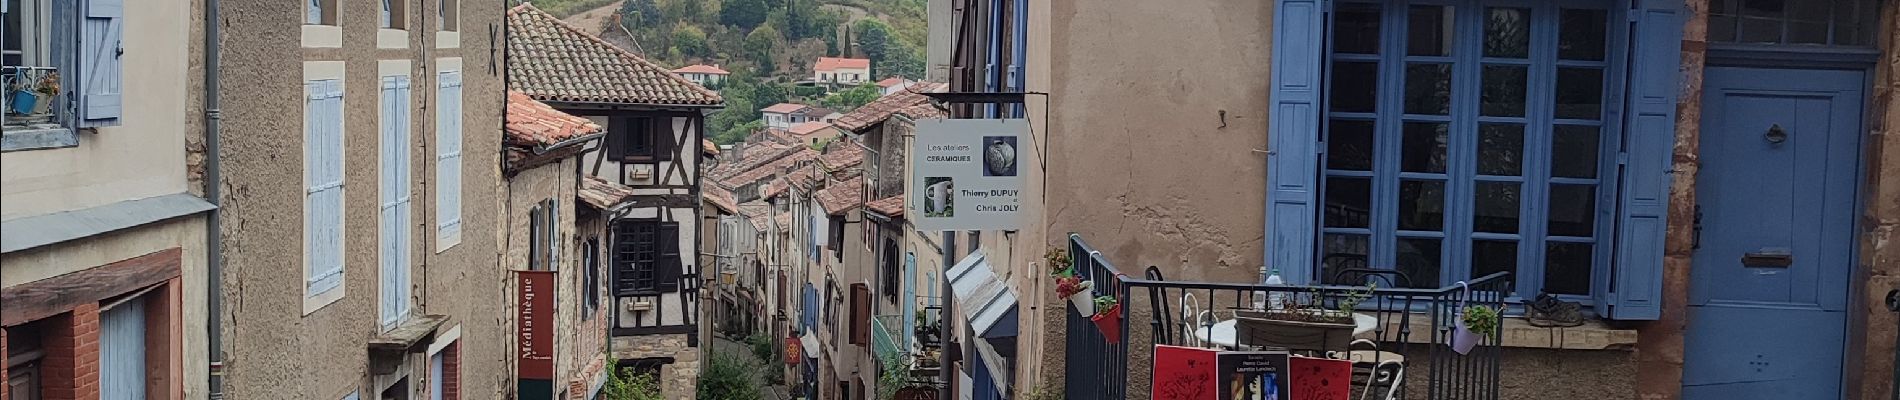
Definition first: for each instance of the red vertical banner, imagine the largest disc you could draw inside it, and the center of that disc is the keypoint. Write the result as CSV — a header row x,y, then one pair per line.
x,y
534,323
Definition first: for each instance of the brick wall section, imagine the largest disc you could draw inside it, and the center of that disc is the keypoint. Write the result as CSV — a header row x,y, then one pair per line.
x,y
452,371
71,367
3,363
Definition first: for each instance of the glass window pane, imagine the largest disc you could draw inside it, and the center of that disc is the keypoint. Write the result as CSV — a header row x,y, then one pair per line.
x,y
1579,93
1354,85
1764,8
1847,34
1427,89
1492,256
1567,268
1340,252
1507,32
1424,147
1429,31
1808,10
1574,151
1721,28
1501,149
1356,29
1580,35
1757,30
1495,207
1421,205
1419,259
1348,202
1720,7
1503,91
1349,145
1807,33
1572,210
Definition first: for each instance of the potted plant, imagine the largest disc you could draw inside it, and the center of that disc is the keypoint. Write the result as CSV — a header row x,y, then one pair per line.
x,y
1108,318
1305,323
1059,262
1476,323
1077,291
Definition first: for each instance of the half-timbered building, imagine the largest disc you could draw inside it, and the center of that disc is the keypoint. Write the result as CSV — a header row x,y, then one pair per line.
x,y
654,125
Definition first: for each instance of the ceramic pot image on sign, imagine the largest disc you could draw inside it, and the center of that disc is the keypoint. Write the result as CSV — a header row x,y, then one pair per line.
x,y
999,156
939,197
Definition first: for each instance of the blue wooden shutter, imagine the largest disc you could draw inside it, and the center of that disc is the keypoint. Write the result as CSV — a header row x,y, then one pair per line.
x,y
1634,289
1293,134
323,146
909,301
100,85
554,234
122,351
448,158
394,165
435,376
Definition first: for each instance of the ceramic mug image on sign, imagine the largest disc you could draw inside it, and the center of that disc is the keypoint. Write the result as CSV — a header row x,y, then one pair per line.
x,y
999,156
939,197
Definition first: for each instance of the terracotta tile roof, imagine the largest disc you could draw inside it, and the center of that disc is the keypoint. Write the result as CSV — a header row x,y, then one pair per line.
x,y
773,166
894,80
784,108
708,147
890,206
602,194
553,61
907,101
808,128
701,69
531,123
845,156
842,196
784,221
719,197
834,63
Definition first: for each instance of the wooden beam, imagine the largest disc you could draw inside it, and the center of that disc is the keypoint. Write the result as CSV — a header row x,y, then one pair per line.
x,y
48,297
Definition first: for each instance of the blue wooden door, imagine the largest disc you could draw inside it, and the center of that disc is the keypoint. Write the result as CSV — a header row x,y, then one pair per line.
x,y
1780,151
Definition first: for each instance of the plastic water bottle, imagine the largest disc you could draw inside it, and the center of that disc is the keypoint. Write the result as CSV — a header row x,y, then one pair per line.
x,y
1276,299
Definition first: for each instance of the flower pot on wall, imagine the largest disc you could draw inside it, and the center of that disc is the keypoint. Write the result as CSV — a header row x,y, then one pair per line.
x,y
24,102
1084,302
1110,322
1463,339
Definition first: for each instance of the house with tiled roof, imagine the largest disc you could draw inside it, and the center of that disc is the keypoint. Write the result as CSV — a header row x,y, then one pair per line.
x,y
706,75
848,71
547,201
893,84
651,119
787,115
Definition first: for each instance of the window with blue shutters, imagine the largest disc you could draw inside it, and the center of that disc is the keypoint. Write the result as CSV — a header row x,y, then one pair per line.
x,y
64,59
448,159
323,186
394,163
1453,139
122,362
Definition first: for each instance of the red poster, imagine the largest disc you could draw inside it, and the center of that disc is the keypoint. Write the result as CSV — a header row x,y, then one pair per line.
x,y
1321,379
792,354
534,323
1184,373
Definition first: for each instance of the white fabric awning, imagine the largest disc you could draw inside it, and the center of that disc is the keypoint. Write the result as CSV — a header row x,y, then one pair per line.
x,y
982,298
811,345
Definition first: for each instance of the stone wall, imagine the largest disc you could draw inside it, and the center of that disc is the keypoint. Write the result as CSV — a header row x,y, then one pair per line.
x,y
679,380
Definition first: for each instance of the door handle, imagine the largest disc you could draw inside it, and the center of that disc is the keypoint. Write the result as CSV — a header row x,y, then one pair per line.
x,y
1768,257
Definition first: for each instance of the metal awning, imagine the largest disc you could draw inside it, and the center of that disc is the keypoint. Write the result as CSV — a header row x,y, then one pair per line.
x,y
985,301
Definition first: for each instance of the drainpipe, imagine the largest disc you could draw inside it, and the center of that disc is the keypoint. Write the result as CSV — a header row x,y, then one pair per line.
x,y
214,248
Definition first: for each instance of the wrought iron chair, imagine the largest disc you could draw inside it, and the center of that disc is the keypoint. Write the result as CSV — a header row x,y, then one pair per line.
x,y
1379,368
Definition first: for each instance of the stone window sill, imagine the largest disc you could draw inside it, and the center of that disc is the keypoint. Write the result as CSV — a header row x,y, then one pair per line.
x,y
37,138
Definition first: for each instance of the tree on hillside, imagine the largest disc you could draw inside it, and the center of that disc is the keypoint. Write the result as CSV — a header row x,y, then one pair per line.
x,y
745,14
888,55
704,12
640,13
759,45
873,37
851,99
690,41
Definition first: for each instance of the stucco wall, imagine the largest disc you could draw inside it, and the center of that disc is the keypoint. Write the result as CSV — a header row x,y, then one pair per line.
x,y
263,174
142,157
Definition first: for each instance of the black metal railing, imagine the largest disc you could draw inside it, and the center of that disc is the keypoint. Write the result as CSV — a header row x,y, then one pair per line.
x,y
1893,304
1413,328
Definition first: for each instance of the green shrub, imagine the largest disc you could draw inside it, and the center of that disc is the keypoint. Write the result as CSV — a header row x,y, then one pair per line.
x,y
625,384
728,378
